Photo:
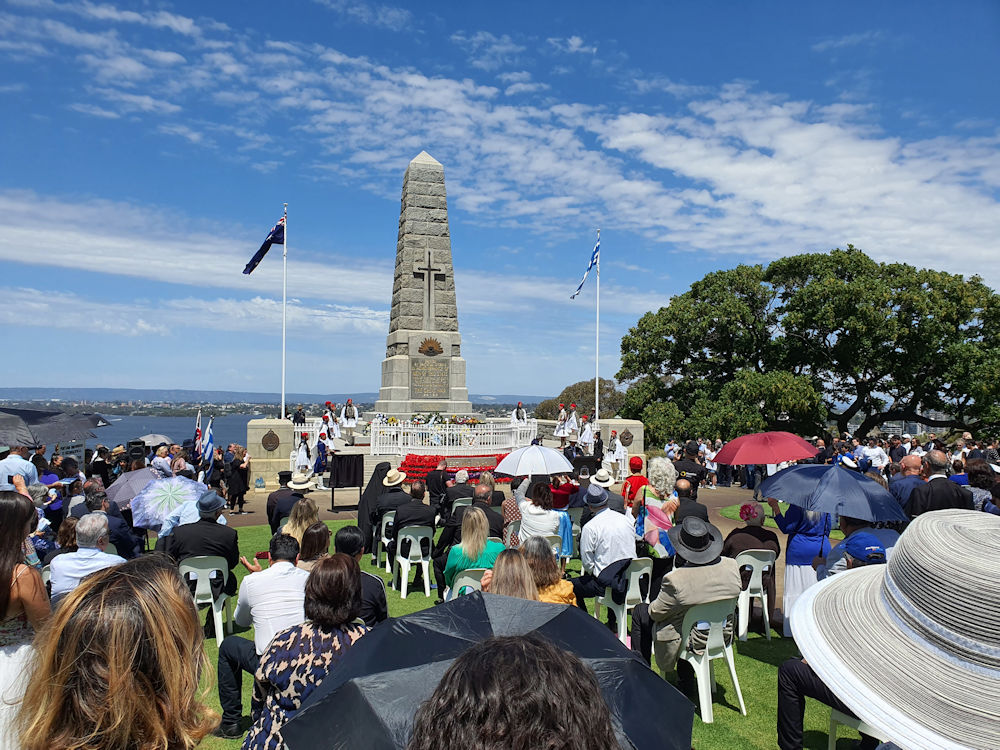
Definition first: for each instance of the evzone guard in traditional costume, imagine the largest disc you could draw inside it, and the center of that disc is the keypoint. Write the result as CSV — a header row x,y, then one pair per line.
x,y
519,415
349,419
319,466
573,424
618,456
303,456
561,432
331,423
586,436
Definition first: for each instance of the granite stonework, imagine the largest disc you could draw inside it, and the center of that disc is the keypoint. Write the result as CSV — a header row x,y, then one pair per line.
x,y
423,369
267,463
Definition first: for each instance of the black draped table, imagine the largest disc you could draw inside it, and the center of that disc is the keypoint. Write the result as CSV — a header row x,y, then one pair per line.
x,y
346,470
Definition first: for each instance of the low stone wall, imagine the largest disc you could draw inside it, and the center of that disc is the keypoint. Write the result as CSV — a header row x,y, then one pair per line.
x,y
624,427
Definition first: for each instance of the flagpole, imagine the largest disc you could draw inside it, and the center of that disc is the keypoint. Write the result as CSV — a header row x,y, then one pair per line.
x,y
597,342
284,302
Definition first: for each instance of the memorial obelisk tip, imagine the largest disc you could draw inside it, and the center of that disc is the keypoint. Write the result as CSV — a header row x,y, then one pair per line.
x,y
424,158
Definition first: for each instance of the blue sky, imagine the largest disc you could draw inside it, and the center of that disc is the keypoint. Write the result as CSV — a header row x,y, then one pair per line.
x,y
148,148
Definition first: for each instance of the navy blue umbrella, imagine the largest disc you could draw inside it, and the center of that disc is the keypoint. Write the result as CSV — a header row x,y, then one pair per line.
x,y
833,489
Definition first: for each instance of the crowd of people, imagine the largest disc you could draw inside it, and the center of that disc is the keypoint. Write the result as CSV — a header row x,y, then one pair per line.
x,y
66,673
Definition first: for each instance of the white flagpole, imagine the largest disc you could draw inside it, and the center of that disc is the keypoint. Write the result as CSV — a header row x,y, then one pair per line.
x,y
597,337
284,302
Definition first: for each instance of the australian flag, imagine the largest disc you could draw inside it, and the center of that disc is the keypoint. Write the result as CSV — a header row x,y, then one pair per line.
x,y
276,237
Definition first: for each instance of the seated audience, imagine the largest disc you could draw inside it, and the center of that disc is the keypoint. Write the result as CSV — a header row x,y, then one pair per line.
x,y
315,546
66,571
207,538
755,536
451,534
459,490
415,512
510,576
510,510
271,601
495,497
700,575
537,516
515,692
90,690
686,503
607,547
391,498
299,658
182,515
546,573
23,602
283,506
475,550
65,539
350,541
119,533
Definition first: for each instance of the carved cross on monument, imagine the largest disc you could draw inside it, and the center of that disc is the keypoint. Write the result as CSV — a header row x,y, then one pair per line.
x,y
429,273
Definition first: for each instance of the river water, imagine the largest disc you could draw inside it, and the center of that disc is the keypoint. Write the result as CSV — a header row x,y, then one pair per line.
x,y
231,428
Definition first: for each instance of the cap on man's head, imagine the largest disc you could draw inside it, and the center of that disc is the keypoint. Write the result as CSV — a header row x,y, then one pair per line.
x,y
562,406
572,406
907,436
209,502
596,495
865,548
692,448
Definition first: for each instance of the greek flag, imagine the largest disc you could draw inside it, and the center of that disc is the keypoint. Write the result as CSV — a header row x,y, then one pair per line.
x,y
595,260
208,450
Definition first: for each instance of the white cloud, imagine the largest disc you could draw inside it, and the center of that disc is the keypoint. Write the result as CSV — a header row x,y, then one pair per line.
x,y
572,45
389,17
164,57
863,38
94,111
183,131
488,51
525,88
116,68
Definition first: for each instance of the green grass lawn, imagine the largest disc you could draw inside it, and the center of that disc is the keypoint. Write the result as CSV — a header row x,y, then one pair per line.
x,y
732,512
757,663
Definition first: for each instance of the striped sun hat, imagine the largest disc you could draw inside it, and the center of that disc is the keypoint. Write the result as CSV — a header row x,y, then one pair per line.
x,y
913,647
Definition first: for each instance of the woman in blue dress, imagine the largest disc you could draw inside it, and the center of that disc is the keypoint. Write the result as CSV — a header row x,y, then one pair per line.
x,y
808,537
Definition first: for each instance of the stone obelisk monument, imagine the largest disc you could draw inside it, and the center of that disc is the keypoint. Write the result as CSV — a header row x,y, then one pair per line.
x,y
423,370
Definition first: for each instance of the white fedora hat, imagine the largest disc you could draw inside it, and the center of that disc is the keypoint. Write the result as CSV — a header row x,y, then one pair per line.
x,y
394,477
300,482
602,478
913,647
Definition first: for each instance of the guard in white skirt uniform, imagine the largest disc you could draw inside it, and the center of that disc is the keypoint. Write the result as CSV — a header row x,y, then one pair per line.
x,y
573,424
349,419
519,415
617,455
561,432
586,436
330,421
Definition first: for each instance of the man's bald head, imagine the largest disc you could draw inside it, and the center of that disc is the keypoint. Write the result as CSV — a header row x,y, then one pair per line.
x,y
910,465
683,488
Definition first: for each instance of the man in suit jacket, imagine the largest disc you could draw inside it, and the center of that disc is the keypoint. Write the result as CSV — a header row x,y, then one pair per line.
x,y
938,493
451,533
208,538
437,484
461,489
413,513
688,505
119,533
703,577
299,485
391,499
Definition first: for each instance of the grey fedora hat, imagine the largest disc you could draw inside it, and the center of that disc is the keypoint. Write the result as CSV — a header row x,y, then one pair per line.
x,y
695,540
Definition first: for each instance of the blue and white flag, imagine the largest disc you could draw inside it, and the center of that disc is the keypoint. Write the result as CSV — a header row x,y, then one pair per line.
x,y
595,260
208,450
275,237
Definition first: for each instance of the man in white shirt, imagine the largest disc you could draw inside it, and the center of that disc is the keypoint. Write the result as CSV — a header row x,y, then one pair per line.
x,y
67,570
271,600
607,546
874,453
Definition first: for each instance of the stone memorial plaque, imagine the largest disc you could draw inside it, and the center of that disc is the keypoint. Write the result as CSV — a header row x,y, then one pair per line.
x,y
429,378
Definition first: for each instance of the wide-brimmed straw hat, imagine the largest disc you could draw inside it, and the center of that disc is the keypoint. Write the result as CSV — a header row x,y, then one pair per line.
x,y
394,477
300,482
602,478
913,647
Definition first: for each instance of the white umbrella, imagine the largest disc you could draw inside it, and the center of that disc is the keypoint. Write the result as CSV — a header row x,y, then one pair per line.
x,y
534,459
155,438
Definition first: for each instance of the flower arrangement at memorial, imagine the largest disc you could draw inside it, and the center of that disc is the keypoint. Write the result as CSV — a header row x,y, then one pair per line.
x,y
432,419
417,466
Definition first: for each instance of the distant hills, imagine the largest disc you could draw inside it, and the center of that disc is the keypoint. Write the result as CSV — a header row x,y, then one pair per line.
x,y
180,396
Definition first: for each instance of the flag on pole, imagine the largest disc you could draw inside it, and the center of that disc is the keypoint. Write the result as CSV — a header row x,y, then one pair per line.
x,y
208,450
595,259
197,437
275,237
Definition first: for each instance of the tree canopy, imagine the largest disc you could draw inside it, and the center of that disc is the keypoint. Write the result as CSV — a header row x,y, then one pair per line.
x,y
582,394
812,339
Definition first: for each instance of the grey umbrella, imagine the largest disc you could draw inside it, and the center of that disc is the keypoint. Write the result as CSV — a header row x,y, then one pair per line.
x,y
130,484
40,427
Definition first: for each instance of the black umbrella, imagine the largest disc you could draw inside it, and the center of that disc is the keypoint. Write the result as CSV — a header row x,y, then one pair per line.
x,y
370,699
833,489
38,427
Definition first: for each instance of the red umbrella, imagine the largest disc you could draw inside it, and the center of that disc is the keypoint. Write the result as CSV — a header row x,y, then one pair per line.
x,y
765,448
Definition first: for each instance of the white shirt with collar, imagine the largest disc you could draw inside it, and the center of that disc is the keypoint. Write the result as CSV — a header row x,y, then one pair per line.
x,y
271,600
608,537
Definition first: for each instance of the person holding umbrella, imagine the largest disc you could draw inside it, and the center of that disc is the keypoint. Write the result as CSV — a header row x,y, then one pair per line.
x,y
808,537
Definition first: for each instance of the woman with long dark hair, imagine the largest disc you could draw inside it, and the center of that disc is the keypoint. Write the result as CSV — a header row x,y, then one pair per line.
x,y
24,604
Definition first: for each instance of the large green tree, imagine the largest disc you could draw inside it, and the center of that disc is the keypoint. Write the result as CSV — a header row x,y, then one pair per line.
x,y
582,394
817,337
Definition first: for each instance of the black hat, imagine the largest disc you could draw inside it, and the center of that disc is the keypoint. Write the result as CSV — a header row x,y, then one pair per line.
x,y
696,541
692,447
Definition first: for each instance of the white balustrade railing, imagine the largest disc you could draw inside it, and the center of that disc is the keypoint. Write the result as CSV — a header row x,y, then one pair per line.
x,y
451,439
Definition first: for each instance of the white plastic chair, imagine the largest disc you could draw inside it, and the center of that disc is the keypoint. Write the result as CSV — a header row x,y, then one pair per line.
x,y
382,544
759,560
110,549
460,502
494,539
470,579
716,614
514,527
838,717
576,516
638,568
46,575
555,542
201,568
415,555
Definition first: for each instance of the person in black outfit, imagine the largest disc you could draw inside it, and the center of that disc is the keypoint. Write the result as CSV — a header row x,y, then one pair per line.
x,y
299,418
207,537
374,608
896,450
690,469
461,489
393,496
451,532
298,488
284,477
414,513
366,506
119,533
938,493
598,448
437,485
688,505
